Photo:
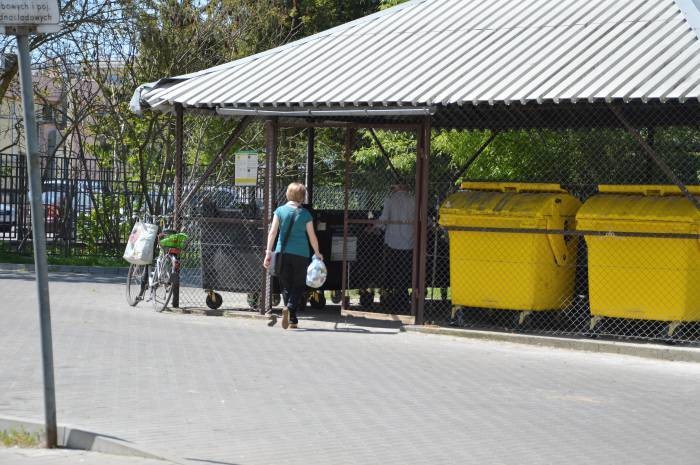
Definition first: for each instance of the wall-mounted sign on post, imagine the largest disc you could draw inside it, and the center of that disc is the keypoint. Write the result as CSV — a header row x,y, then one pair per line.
x,y
22,18
246,168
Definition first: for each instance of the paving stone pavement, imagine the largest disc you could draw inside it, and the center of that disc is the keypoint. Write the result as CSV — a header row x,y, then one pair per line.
x,y
211,390
14,456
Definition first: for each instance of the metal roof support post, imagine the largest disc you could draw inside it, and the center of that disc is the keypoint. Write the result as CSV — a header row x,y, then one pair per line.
x,y
177,223
178,164
310,156
349,145
421,237
223,153
271,140
650,139
654,156
415,263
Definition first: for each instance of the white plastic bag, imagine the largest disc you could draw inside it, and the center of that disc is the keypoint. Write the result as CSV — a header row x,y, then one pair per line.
x,y
142,240
316,273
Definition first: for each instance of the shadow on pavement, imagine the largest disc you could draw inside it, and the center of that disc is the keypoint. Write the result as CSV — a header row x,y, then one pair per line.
x,y
347,324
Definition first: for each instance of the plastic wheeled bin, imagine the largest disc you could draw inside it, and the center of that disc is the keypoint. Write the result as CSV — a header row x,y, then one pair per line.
x,y
364,269
643,278
232,254
524,271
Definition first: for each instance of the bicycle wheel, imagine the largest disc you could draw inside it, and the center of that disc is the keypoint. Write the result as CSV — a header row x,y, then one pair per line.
x,y
162,288
136,284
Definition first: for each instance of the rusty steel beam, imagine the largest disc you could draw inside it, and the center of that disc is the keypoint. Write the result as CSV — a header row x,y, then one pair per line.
x,y
654,156
407,127
310,159
179,142
349,143
397,176
421,236
223,153
177,223
271,142
474,157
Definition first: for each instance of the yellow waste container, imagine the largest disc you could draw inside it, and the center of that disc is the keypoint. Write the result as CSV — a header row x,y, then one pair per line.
x,y
526,271
645,278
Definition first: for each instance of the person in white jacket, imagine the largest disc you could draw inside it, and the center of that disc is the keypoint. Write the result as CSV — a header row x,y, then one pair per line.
x,y
398,222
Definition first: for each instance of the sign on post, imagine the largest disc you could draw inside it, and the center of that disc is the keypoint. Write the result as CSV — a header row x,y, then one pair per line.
x,y
40,16
246,168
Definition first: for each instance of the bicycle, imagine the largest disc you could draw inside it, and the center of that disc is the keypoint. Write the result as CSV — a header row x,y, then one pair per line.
x,y
165,271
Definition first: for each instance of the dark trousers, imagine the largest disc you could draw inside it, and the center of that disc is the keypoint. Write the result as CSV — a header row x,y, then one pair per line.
x,y
398,274
293,282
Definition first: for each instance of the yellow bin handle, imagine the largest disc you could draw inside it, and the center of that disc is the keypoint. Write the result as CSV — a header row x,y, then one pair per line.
x,y
556,241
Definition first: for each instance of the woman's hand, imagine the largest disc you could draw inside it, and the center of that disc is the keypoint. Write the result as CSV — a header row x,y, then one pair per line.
x,y
268,258
318,255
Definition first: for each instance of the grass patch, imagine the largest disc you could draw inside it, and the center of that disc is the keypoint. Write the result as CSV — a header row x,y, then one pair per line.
x,y
11,256
19,438
114,262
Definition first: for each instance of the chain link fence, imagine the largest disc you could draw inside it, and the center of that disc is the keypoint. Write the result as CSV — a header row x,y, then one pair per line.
x,y
567,222
573,220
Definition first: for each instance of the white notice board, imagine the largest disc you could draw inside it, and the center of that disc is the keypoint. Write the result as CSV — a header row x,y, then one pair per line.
x,y
39,15
337,248
246,167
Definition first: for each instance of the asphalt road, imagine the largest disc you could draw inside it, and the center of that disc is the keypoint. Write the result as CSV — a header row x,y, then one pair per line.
x,y
214,390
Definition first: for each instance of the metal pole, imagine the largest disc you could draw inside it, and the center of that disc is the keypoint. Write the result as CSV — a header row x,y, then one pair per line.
x,y
271,139
651,138
416,222
228,146
39,238
179,136
349,143
177,220
397,176
473,158
424,154
310,155
652,154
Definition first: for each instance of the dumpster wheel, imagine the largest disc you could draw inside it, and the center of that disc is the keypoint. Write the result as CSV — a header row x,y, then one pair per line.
x,y
276,299
336,297
252,299
317,300
366,297
214,300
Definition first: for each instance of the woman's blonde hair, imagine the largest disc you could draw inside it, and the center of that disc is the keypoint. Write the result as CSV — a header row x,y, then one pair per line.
x,y
296,192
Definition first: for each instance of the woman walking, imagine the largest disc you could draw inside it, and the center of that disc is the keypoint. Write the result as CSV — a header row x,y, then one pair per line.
x,y
296,228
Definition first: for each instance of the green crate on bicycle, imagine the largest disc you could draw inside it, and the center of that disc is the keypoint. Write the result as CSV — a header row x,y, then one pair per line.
x,y
175,241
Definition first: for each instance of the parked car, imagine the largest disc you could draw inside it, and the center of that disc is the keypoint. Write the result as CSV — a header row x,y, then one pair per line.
x,y
83,200
226,199
8,217
54,205
78,190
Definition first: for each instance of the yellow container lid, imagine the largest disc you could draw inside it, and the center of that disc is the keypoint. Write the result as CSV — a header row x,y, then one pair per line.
x,y
646,189
638,204
499,202
513,187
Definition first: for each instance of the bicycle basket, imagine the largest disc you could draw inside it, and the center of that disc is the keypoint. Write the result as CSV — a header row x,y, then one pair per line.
x,y
175,241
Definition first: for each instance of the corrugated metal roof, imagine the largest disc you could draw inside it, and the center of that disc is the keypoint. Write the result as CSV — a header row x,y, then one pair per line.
x,y
428,53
